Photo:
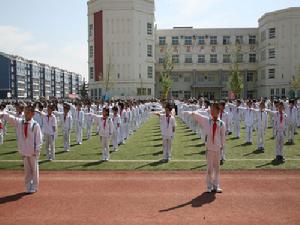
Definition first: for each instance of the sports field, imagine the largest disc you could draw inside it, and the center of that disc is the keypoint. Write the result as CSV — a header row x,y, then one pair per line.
x,y
143,151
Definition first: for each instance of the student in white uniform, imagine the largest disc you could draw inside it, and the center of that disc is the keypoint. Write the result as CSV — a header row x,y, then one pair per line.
x,y
79,120
280,124
215,143
1,131
29,145
49,131
262,124
237,116
105,132
116,131
249,122
291,113
88,119
225,118
167,127
38,115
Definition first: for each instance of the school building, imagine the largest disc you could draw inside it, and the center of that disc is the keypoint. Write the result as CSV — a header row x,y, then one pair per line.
x,y
26,79
124,43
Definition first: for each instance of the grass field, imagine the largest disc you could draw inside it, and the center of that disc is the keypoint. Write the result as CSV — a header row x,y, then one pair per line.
x,y
143,151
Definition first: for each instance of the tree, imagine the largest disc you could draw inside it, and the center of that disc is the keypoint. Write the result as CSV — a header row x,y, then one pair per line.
x,y
108,78
83,92
236,83
165,76
295,83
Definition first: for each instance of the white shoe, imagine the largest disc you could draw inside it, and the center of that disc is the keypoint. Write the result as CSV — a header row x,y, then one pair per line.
x,y
218,190
208,190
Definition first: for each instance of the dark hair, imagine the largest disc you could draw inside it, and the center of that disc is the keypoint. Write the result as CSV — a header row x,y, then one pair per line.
x,y
215,105
30,107
115,109
66,106
222,103
106,110
169,106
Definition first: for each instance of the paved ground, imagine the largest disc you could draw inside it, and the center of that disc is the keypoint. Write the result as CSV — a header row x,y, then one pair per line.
x,y
250,197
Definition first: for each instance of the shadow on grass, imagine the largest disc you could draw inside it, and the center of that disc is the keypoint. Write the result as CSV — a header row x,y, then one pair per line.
x,y
153,164
199,201
154,154
199,167
233,138
198,145
196,153
274,162
195,139
12,198
189,134
94,163
9,153
255,152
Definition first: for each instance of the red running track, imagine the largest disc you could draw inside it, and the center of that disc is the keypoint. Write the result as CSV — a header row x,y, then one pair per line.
x,y
128,198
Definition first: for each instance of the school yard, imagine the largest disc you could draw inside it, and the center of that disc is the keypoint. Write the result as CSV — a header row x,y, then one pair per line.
x,y
143,151
135,187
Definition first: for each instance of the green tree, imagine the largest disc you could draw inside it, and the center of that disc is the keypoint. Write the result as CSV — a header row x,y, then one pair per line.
x,y
83,91
236,82
165,76
295,83
108,78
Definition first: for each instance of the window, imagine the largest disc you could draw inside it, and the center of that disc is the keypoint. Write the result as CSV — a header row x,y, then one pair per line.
x,y
188,59
239,40
226,58
175,58
150,72
201,58
175,77
187,94
263,36
175,94
263,55
213,58
149,91
188,40
175,40
149,50
282,92
187,79
271,73
91,73
161,60
149,28
277,92
226,40
252,58
272,53
250,76
91,53
272,92
201,40
91,28
213,40
239,58
252,39
119,75
272,33
162,40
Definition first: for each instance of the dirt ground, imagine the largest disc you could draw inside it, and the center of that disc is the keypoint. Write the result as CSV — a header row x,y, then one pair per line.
x,y
249,197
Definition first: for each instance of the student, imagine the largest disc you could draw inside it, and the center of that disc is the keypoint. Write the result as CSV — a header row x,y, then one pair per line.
x,y
1,131
249,122
116,130
38,115
49,131
29,144
105,132
66,122
291,112
225,118
88,118
280,124
79,119
167,127
262,124
237,114
215,131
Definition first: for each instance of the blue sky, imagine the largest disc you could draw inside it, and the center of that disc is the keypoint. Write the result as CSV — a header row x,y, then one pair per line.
x,y
55,31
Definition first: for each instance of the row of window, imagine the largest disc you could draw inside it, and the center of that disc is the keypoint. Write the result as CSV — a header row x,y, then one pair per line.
x,y
213,58
271,73
213,40
149,29
271,34
149,73
271,54
276,92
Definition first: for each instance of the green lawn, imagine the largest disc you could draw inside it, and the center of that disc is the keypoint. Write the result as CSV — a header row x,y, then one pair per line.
x,y
143,151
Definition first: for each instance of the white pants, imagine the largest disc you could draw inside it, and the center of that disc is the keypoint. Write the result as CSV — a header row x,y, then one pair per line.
x,y
167,147
279,142
123,132
31,169
115,138
78,134
50,146
237,129
66,134
105,147
291,131
260,137
213,169
223,151
88,130
249,130
1,138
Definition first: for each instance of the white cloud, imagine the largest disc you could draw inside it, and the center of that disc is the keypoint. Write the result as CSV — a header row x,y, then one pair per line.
x,y
71,56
